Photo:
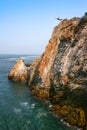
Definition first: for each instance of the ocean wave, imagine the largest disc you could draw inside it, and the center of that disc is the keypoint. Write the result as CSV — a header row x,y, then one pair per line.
x,y
17,111
50,105
23,57
13,59
16,58
29,58
41,114
24,104
32,105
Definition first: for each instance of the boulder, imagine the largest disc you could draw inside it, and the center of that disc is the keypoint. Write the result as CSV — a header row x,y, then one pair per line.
x,y
18,72
74,116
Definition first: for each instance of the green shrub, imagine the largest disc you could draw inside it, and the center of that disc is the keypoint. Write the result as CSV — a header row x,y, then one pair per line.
x,y
81,23
84,18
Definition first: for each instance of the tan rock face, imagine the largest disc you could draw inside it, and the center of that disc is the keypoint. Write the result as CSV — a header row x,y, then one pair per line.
x,y
18,72
65,30
46,62
70,65
62,71
65,58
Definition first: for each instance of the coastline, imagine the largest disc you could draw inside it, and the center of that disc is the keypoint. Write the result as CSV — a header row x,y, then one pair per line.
x,y
60,74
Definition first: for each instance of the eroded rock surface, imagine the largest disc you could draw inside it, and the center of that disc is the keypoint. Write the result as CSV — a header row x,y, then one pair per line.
x,y
64,61
60,74
62,70
18,72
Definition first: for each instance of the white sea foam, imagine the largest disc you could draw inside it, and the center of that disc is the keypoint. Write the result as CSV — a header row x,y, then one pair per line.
x,y
64,122
41,114
50,105
17,111
23,57
13,59
24,104
33,105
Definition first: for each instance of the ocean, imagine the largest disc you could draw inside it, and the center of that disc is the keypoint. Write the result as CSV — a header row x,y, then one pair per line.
x,y
19,110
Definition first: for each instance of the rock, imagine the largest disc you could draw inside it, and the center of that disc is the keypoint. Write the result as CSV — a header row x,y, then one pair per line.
x,y
18,72
55,109
76,117
65,110
33,72
65,67
27,64
63,64
85,127
41,93
60,74
46,63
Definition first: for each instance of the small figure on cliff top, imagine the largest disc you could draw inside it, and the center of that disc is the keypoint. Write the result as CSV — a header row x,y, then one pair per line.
x,y
85,13
59,19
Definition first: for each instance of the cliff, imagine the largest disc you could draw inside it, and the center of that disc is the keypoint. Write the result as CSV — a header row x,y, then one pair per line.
x,y
64,61
60,74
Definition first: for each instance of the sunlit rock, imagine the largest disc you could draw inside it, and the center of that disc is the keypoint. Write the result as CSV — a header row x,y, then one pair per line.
x,y
18,72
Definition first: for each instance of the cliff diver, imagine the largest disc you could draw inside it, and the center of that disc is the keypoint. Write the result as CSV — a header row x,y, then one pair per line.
x,y
59,19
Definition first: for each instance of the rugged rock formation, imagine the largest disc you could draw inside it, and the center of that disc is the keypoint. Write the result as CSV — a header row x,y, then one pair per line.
x,y
64,61
74,116
60,74
18,72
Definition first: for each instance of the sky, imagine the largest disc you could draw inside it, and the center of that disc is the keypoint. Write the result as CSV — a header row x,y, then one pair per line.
x,y
27,25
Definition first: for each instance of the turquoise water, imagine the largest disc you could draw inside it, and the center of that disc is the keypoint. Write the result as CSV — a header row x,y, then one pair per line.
x,y
19,110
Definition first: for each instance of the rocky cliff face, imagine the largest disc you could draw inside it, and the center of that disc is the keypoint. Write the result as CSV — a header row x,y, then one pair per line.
x,y
60,74
64,61
70,64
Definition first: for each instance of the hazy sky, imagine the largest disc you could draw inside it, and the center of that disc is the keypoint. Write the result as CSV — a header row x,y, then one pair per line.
x,y
26,25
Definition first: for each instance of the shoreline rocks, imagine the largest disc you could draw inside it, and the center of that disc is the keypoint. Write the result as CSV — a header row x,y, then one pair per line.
x,y
73,116
18,72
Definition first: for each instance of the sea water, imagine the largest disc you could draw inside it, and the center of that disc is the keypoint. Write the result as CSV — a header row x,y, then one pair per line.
x,y
19,110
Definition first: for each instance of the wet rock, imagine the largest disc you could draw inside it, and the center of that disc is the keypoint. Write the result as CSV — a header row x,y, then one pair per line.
x,y
76,117
41,93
